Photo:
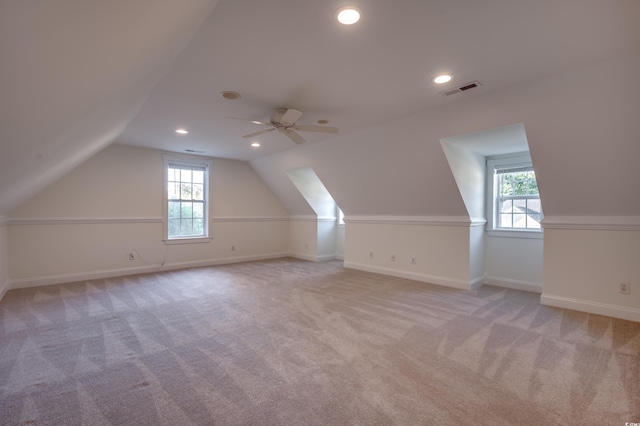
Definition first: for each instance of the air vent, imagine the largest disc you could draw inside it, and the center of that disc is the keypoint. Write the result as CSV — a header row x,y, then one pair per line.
x,y
194,151
463,88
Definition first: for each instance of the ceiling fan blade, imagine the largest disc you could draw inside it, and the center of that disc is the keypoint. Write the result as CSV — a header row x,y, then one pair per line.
x,y
250,135
290,116
321,129
294,136
250,121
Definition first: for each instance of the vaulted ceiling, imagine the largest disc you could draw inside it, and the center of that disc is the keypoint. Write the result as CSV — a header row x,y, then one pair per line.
x,y
76,76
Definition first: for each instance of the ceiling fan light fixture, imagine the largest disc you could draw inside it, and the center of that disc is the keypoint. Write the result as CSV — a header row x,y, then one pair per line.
x,y
255,144
322,121
182,131
348,15
230,95
443,78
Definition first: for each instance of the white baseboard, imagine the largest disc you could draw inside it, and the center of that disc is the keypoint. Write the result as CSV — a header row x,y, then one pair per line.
x,y
119,272
514,284
3,289
416,276
312,258
615,311
340,256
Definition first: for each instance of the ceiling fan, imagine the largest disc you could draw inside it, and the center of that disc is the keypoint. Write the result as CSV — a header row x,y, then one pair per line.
x,y
284,121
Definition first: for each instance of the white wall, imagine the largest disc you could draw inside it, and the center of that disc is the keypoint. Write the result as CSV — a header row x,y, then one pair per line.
x,y
469,170
303,237
514,262
584,267
340,241
327,241
4,258
441,252
86,224
582,132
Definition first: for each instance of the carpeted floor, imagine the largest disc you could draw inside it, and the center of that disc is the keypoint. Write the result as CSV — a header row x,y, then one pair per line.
x,y
301,343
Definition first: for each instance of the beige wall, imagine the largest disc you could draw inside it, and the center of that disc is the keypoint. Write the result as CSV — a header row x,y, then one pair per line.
x,y
86,224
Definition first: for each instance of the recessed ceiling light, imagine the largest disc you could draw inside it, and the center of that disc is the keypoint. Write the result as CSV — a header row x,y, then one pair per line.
x,y
182,131
229,95
444,78
348,15
255,144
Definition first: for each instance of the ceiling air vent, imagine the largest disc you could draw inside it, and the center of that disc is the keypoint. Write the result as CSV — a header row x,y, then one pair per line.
x,y
463,88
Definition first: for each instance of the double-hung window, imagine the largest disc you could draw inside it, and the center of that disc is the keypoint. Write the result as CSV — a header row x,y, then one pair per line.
x,y
513,197
186,199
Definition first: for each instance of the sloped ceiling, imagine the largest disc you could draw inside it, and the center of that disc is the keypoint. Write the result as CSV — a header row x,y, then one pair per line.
x,y
73,74
76,76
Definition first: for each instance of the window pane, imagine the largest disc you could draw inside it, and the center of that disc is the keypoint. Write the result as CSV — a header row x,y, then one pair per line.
x,y
185,175
174,227
198,191
185,191
185,227
174,192
534,210
186,210
533,184
171,174
520,206
174,209
520,183
519,220
506,206
198,176
506,187
198,210
198,227
505,221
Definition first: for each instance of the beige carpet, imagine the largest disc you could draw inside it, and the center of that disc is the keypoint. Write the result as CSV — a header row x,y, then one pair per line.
x,y
300,343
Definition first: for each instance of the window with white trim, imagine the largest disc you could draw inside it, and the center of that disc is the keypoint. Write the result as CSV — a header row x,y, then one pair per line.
x,y
513,197
186,199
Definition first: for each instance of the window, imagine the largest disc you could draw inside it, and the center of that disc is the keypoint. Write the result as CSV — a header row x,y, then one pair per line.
x,y
186,202
513,196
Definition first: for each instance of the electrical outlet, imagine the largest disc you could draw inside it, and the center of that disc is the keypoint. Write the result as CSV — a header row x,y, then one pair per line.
x,y
233,248
393,257
132,256
370,255
413,260
625,288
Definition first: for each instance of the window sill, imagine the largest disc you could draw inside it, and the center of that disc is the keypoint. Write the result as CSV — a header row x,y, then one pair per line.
x,y
515,234
186,240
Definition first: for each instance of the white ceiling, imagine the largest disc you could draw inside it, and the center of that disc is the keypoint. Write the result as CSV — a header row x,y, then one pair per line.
x,y
76,76
292,53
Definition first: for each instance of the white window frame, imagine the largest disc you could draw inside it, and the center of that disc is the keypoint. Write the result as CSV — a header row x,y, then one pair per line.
x,y
509,161
339,217
186,161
